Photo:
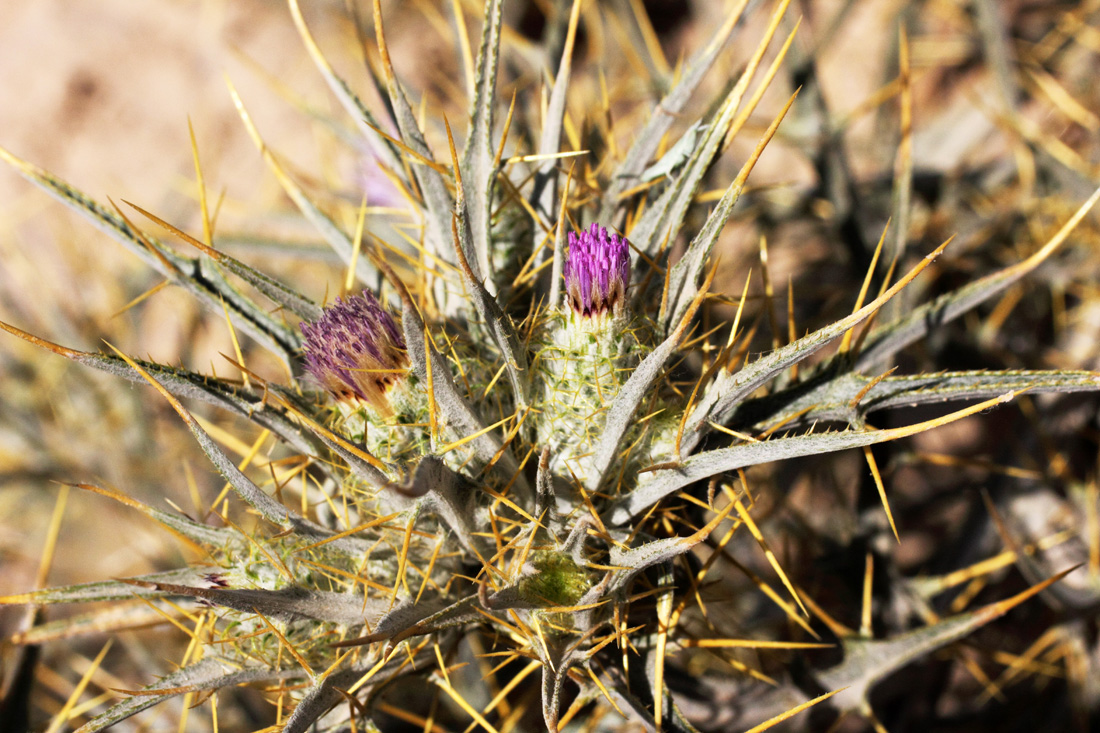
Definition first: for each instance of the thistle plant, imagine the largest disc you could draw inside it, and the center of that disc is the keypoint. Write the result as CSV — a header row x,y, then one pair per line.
x,y
521,449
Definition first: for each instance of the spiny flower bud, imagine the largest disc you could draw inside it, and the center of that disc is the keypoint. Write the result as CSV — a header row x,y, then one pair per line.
x,y
355,350
596,271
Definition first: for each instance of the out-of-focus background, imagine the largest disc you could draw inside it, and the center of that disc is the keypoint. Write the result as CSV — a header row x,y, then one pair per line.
x,y
100,93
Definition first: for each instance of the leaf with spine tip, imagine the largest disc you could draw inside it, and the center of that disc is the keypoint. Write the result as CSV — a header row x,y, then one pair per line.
x,y
207,674
621,412
867,661
667,481
203,535
891,338
340,243
106,590
445,393
477,158
290,603
150,250
682,278
496,322
105,619
831,399
667,110
183,383
636,559
667,213
364,119
921,389
725,393
410,617
268,508
437,200
209,287
289,298
492,315
322,697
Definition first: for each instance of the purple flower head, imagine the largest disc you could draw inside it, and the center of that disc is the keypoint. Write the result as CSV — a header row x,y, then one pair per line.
x,y
596,271
355,350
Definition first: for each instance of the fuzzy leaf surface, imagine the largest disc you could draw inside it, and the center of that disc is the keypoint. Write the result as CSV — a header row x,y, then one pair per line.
x,y
322,697
285,296
142,586
286,603
866,661
830,399
207,674
477,158
665,481
729,390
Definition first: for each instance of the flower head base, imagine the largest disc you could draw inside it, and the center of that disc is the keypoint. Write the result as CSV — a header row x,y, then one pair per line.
x,y
597,271
355,350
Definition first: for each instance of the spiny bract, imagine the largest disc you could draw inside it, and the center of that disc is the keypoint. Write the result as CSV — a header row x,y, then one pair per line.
x,y
524,440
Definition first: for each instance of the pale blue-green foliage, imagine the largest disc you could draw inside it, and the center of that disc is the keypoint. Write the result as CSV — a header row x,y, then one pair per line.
x,y
580,365
507,484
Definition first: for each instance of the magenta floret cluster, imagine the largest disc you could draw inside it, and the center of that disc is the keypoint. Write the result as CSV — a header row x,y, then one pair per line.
x,y
355,350
596,271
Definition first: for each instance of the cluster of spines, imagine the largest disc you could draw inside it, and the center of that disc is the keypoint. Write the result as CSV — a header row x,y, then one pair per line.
x,y
355,351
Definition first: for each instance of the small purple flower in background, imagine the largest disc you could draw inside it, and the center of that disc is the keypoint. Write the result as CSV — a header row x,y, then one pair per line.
x,y
356,351
378,188
596,271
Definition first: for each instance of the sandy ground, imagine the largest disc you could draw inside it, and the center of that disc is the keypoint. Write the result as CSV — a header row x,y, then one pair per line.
x,y
101,90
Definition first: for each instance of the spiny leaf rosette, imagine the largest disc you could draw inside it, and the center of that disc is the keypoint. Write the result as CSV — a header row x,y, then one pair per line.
x,y
504,476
